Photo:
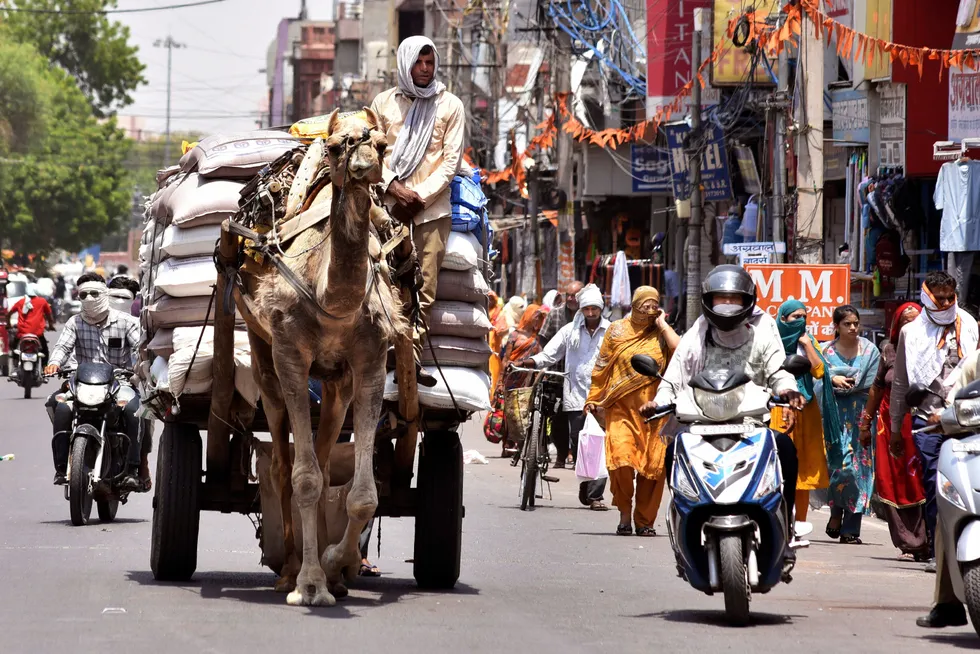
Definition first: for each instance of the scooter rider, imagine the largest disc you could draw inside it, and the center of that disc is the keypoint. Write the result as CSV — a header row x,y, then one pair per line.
x,y
98,334
724,337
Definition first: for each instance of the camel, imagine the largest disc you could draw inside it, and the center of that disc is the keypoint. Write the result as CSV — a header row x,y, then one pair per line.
x,y
343,343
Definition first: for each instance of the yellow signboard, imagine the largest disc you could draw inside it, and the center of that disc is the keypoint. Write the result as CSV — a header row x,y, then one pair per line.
x,y
733,64
878,24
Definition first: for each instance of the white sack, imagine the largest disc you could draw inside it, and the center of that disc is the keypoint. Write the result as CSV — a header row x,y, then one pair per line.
x,y
199,201
186,277
191,242
463,251
458,319
238,155
470,387
455,351
462,286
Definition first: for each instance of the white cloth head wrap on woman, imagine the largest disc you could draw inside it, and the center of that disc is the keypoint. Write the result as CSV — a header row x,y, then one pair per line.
x,y
95,309
416,134
589,296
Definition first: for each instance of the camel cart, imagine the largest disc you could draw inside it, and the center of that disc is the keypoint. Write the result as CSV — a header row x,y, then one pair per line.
x,y
206,450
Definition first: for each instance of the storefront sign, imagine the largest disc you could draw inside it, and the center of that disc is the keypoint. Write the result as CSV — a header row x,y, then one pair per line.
x,y
650,168
967,35
767,247
850,116
821,288
891,125
746,168
715,178
964,104
756,258
669,35
834,162
734,64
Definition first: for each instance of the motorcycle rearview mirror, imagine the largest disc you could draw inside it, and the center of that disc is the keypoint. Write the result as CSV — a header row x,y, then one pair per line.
x,y
796,365
916,395
645,365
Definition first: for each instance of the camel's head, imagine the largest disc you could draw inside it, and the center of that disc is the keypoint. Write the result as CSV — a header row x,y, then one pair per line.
x,y
356,147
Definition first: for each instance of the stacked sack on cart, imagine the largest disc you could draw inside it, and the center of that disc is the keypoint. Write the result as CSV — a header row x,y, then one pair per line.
x,y
457,352
177,267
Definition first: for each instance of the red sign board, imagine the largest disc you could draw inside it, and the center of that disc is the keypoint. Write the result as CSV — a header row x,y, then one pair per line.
x,y
821,288
669,27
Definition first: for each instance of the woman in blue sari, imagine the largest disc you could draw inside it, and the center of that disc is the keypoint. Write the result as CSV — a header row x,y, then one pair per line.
x,y
852,366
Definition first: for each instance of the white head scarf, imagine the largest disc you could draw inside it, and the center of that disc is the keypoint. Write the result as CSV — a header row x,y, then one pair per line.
x,y
28,306
549,299
416,133
95,310
589,296
121,299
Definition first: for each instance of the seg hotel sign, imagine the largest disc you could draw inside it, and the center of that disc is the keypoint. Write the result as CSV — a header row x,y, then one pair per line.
x,y
821,288
850,110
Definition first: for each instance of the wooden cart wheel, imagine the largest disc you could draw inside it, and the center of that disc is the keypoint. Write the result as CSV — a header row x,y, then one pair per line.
x,y
439,511
176,513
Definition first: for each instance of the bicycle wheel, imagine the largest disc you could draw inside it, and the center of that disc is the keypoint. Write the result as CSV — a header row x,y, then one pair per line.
x,y
529,469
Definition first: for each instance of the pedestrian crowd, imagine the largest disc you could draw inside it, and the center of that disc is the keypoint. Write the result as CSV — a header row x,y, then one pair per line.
x,y
858,445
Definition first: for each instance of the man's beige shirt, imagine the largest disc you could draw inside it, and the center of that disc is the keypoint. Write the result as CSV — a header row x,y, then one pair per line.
x,y
443,157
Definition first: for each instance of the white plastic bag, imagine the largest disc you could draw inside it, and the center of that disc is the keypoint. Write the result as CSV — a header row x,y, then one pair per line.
x,y
591,462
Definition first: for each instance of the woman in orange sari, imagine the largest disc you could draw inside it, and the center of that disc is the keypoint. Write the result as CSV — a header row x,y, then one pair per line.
x,y
504,321
634,450
523,343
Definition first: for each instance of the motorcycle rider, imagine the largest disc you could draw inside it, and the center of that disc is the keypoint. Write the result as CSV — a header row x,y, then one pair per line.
x,y
98,334
729,335
947,610
33,315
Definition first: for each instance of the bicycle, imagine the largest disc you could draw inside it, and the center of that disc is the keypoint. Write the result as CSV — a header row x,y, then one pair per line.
x,y
546,393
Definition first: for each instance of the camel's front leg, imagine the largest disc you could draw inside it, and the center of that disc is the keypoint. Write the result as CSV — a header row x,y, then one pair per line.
x,y
362,501
293,370
333,411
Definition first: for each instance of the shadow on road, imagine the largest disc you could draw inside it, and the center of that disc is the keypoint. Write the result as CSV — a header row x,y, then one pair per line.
x,y
963,641
256,588
95,522
718,619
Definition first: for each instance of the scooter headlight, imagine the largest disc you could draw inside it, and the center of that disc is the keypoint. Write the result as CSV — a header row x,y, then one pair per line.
x,y
770,480
90,394
719,406
968,412
683,483
948,490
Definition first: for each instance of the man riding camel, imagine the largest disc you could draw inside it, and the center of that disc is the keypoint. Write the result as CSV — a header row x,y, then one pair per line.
x,y
425,126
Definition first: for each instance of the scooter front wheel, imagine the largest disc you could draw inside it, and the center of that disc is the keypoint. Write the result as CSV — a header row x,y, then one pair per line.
x,y
971,584
734,579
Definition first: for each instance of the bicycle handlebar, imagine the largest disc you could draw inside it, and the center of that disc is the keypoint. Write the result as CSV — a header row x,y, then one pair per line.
x,y
535,370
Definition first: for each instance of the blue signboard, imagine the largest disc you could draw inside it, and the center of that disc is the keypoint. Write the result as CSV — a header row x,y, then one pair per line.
x,y
850,116
650,167
715,178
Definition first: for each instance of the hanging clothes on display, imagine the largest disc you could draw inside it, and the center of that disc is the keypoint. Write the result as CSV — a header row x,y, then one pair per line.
x,y
957,195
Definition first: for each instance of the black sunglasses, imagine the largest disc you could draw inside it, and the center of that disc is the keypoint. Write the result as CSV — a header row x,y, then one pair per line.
x,y
84,295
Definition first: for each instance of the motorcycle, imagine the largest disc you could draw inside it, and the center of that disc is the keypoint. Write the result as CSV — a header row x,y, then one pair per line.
x,y
27,364
99,445
729,525
958,501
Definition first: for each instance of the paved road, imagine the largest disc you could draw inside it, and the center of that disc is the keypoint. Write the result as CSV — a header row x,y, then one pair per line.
x,y
555,580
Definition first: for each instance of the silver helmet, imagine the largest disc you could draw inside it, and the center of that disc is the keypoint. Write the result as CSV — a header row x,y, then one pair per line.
x,y
727,279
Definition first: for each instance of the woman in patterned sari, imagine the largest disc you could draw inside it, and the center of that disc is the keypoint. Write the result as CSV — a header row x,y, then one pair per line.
x,y
898,479
523,343
852,363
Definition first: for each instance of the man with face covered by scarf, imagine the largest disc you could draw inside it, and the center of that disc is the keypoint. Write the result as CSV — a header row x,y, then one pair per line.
x,y
425,126
98,334
930,351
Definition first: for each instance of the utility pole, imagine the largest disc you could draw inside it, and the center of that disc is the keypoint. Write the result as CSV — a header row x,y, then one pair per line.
x,y
169,44
533,201
809,172
694,170
779,187
566,220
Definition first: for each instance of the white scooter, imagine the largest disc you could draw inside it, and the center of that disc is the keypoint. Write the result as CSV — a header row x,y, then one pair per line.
x,y
957,497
